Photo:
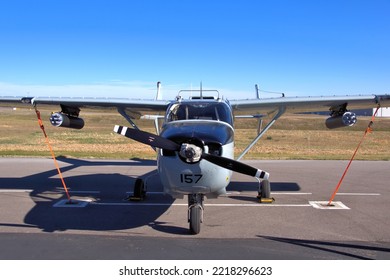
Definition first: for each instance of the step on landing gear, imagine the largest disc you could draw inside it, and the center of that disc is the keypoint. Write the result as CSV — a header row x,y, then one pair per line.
x,y
195,212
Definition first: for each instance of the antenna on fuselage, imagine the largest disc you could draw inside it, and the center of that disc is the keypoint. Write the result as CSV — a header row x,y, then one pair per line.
x,y
257,91
201,91
158,95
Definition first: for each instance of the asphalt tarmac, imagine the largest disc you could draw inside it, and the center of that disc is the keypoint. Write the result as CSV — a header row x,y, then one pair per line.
x,y
36,223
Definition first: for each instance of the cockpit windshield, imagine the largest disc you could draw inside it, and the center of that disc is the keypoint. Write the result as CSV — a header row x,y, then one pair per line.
x,y
217,111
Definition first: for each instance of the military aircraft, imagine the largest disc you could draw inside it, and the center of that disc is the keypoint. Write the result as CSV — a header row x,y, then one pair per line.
x,y
195,143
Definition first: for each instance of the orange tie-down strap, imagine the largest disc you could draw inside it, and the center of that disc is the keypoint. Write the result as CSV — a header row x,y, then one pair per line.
x,y
367,131
40,122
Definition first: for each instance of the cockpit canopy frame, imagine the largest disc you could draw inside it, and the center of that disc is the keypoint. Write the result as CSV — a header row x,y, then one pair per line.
x,y
211,110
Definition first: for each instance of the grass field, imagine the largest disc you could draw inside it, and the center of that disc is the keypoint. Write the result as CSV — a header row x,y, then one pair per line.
x,y
292,137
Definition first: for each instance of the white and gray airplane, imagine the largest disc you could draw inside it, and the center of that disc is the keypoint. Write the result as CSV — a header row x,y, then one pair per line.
x,y
195,143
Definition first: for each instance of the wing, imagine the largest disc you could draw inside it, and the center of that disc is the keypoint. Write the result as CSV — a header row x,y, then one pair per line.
x,y
133,107
10,99
308,104
337,106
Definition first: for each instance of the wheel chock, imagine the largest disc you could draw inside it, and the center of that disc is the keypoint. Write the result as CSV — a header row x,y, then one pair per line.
x,y
265,200
134,198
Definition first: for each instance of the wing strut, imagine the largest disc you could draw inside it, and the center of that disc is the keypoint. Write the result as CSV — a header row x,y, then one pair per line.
x,y
129,120
127,117
280,112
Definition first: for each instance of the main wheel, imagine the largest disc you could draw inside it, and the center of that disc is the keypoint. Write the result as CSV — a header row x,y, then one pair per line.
x,y
265,189
195,217
139,189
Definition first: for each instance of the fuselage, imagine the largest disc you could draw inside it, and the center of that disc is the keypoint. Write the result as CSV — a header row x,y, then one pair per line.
x,y
207,124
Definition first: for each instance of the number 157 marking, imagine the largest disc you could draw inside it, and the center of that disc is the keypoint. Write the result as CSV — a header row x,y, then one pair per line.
x,y
190,178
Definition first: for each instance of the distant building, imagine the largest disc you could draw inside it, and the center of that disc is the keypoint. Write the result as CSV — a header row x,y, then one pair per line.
x,y
383,112
363,112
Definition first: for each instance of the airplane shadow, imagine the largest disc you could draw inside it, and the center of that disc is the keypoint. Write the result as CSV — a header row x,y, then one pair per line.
x,y
253,186
108,212
349,250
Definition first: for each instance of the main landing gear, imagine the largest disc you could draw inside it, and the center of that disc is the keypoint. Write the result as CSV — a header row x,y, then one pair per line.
x,y
264,192
139,193
195,212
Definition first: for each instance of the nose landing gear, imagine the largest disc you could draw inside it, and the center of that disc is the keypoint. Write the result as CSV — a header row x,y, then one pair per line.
x,y
195,212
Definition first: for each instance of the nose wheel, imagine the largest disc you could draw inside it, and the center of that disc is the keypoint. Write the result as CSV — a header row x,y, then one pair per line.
x,y
195,212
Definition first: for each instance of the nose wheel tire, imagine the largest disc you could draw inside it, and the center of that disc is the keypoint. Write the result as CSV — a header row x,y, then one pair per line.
x,y
195,219
195,212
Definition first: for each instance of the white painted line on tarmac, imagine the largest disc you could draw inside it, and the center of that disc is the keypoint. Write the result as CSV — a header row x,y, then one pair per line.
x,y
258,205
275,193
136,204
153,193
360,194
206,205
28,191
231,193
292,193
238,193
15,191
227,194
91,192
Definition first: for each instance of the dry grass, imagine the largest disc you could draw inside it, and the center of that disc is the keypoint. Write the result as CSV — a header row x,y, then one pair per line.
x,y
292,137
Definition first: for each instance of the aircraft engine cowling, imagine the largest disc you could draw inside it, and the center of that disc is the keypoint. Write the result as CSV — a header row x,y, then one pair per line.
x,y
346,119
63,120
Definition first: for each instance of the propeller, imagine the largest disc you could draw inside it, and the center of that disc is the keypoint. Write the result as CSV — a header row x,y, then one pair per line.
x,y
235,165
164,143
147,138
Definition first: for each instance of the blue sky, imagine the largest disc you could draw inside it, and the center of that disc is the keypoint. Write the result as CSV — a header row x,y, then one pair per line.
x,y
120,47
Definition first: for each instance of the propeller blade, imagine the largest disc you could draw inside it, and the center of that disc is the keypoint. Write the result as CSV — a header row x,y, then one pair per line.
x,y
236,166
147,138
